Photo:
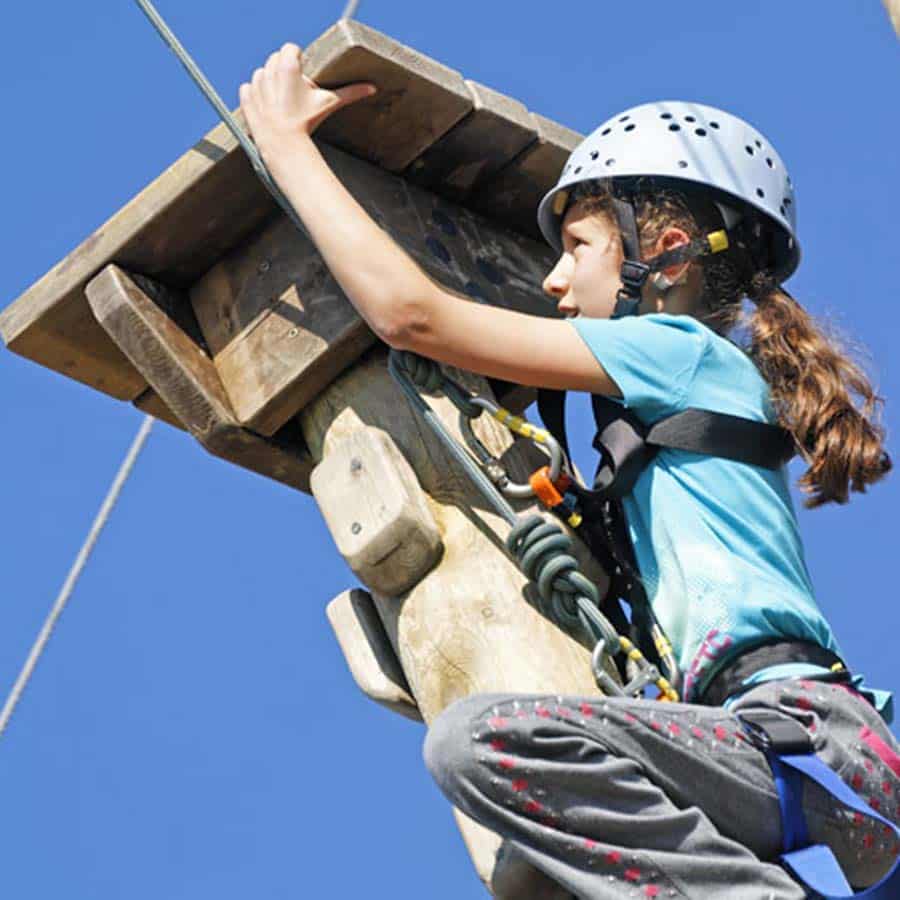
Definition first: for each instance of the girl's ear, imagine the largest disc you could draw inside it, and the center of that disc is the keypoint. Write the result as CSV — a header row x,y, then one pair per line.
x,y
672,238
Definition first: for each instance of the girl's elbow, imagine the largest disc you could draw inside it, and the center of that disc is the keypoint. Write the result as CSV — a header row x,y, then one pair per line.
x,y
404,327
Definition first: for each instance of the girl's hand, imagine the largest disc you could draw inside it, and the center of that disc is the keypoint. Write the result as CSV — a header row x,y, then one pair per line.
x,y
283,104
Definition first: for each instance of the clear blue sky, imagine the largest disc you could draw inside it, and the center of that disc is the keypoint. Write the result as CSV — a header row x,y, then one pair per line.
x,y
193,731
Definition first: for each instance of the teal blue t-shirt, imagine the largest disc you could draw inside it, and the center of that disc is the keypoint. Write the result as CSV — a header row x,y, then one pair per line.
x,y
716,541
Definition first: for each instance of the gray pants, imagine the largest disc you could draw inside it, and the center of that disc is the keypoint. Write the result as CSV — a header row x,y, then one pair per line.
x,y
616,798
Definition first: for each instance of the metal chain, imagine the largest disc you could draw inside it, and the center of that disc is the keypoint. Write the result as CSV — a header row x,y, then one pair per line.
x,y
74,573
541,548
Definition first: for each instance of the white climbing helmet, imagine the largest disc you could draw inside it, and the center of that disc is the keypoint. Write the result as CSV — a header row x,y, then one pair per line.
x,y
692,143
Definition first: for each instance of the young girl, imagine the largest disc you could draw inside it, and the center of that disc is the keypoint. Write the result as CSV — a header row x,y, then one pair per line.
x,y
634,798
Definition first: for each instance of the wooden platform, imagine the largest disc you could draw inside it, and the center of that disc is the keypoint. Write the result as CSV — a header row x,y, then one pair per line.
x,y
452,169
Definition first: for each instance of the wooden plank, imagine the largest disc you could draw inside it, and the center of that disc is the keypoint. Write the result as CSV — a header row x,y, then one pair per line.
x,y
494,133
279,327
184,377
418,99
521,185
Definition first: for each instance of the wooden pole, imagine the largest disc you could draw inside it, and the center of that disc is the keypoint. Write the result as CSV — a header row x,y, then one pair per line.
x,y
466,623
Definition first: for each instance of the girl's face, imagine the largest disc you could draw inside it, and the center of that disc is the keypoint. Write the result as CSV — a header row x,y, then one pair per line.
x,y
585,280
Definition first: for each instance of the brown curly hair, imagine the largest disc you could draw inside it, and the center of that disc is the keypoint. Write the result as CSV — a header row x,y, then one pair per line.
x,y
818,393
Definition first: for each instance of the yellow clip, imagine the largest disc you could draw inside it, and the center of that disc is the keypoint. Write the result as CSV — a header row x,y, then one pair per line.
x,y
575,520
718,241
559,203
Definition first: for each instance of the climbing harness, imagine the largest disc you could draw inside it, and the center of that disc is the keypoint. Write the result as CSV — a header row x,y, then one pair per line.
x,y
626,447
685,146
791,756
541,549
75,572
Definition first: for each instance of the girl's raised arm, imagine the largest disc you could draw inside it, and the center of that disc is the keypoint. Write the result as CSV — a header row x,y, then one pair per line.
x,y
401,304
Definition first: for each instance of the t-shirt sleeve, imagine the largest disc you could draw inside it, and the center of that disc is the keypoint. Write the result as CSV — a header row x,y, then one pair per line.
x,y
652,358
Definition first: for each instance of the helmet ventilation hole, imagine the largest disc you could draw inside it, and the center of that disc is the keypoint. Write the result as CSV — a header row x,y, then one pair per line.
x,y
700,132
783,210
749,149
714,125
630,127
578,171
760,192
666,115
674,127
682,164
689,119
758,144
595,154
624,118
610,162
605,131
769,162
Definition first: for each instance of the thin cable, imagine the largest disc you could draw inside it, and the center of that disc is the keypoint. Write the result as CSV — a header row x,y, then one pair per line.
x,y
350,11
225,115
80,561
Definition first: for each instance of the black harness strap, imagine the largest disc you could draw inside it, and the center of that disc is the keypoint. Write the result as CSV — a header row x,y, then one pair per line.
x,y
719,434
729,680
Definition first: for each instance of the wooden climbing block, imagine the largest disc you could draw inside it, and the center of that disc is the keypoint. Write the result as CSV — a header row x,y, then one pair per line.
x,y
132,311
377,512
369,653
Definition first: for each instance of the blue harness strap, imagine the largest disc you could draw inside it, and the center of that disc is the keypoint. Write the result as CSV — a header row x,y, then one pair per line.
x,y
791,755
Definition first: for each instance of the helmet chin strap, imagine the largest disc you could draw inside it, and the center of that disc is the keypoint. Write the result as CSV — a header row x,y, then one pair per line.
x,y
635,273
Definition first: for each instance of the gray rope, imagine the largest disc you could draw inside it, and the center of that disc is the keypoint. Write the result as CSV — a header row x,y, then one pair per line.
x,y
541,549
79,564
350,10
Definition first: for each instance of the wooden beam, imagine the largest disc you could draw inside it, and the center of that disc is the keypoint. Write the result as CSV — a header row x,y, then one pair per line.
x,y
279,327
132,310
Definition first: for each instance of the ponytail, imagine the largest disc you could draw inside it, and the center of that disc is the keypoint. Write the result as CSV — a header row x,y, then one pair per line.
x,y
819,395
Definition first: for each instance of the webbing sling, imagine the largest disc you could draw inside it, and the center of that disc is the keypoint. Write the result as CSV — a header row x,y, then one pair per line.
x,y
792,758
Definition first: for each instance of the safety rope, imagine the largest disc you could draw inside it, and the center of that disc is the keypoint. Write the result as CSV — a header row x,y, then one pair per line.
x,y
74,573
540,548
350,10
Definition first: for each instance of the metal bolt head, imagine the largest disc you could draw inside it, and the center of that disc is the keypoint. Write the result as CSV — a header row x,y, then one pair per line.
x,y
264,267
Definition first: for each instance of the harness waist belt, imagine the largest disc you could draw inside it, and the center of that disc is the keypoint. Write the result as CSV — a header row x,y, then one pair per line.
x,y
730,680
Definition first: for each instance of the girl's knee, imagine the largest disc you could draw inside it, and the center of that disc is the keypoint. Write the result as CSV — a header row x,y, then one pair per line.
x,y
448,750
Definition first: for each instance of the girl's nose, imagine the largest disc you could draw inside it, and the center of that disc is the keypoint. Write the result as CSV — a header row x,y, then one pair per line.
x,y
556,284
